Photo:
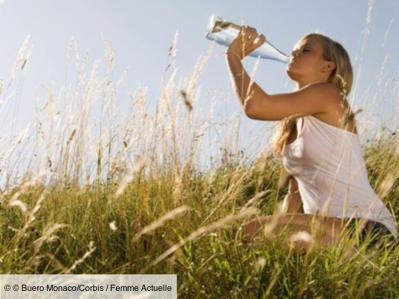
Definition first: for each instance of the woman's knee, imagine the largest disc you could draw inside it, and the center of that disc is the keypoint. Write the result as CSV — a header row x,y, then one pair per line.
x,y
254,226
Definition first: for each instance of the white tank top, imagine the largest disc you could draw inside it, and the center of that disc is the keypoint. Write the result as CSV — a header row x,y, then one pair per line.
x,y
328,165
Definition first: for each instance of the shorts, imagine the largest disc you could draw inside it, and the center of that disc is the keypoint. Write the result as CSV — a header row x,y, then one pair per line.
x,y
375,232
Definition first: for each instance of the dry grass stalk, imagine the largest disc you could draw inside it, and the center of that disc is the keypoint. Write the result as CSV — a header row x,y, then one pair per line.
x,y
202,231
48,236
88,253
161,221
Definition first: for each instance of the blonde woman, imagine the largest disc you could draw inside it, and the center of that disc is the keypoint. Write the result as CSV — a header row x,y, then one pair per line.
x,y
329,190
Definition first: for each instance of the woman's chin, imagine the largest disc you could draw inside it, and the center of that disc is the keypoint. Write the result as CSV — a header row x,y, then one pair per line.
x,y
291,73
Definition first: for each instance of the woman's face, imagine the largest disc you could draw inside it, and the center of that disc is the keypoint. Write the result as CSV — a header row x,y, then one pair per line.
x,y
306,61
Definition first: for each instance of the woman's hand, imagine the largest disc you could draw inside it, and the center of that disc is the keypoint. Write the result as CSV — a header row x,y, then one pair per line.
x,y
245,43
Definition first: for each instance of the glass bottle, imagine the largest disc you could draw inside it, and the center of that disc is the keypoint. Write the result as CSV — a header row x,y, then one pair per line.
x,y
224,33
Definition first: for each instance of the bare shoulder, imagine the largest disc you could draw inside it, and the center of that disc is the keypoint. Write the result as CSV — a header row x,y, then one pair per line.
x,y
337,105
329,93
326,89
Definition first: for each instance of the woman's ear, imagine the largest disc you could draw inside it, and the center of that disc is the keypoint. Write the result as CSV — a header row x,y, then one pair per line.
x,y
329,66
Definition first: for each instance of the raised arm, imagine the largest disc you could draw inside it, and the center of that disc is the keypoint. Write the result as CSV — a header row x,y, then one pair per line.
x,y
243,87
313,98
241,46
257,104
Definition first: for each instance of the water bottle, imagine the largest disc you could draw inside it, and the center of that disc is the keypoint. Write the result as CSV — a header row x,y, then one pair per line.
x,y
224,33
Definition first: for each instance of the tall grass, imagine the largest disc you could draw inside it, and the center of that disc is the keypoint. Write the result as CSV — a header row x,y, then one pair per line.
x,y
89,189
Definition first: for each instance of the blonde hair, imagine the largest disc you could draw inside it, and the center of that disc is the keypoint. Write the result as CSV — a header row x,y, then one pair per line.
x,y
341,76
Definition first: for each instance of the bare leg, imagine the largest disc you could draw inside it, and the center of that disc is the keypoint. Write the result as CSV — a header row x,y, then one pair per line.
x,y
325,230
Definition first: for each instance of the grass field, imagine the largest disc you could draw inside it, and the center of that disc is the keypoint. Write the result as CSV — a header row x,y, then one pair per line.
x,y
124,195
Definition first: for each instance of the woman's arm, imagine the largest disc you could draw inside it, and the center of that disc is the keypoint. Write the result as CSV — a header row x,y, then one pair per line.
x,y
241,81
318,97
292,201
240,47
259,105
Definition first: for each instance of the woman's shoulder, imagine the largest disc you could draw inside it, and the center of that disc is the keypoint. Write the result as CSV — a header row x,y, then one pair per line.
x,y
338,106
328,92
325,87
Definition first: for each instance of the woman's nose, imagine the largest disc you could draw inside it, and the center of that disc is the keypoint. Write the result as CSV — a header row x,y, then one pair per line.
x,y
296,53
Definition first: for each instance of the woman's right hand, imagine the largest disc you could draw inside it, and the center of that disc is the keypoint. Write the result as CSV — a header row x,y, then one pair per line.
x,y
245,43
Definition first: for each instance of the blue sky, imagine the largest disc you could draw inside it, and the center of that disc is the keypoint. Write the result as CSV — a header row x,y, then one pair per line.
x,y
141,32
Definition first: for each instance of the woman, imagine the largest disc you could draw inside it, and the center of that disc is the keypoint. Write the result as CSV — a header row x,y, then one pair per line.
x,y
329,189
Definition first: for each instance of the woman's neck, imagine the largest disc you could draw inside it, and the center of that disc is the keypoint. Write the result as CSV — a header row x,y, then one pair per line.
x,y
300,85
